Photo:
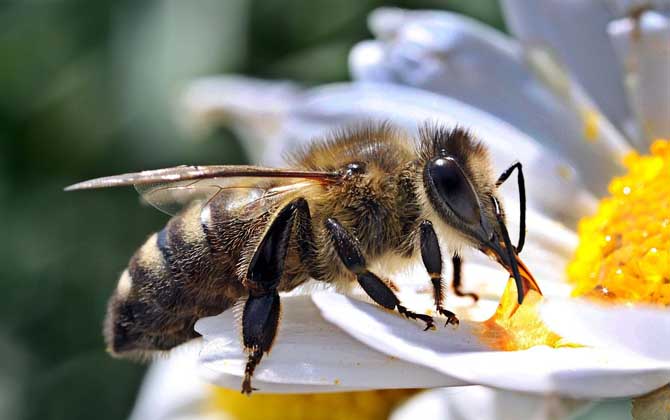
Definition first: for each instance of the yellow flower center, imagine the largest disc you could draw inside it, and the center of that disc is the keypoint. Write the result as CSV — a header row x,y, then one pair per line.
x,y
624,253
232,405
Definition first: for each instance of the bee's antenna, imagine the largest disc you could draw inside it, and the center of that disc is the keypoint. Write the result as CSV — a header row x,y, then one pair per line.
x,y
522,200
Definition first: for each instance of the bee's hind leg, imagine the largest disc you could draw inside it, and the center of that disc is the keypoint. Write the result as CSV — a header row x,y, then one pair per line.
x,y
432,260
350,253
260,318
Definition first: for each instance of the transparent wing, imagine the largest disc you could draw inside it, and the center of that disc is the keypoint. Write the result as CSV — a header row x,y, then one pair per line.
x,y
253,187
233,194
186,173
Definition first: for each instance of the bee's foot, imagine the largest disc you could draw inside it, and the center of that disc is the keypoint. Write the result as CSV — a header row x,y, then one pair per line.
x,y
451,317
474,296
430,324
247,389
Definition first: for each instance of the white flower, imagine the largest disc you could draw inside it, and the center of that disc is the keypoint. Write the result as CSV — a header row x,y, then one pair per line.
x,y
569,128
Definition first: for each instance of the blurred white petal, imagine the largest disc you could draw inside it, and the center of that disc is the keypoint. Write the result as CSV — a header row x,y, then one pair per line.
x,y
543,233
587,373
643,48
644,331
598,130
576,32
309,355
481,403
385,22
172,389
367,61
255,108
453,55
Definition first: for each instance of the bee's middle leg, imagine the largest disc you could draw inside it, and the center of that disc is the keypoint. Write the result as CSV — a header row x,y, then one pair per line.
x,y
432,260
350,253
260,318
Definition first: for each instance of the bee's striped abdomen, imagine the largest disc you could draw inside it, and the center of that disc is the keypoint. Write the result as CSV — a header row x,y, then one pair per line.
x,y
171,281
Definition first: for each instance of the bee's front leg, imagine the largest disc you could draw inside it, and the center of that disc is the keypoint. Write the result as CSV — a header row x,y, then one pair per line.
x,y
432,260
260,318
350,253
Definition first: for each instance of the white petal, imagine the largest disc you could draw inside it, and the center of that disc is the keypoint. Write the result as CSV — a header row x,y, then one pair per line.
x,y
640,330
309,355
482,403
576,32
453,55
171,389
572,372
643,48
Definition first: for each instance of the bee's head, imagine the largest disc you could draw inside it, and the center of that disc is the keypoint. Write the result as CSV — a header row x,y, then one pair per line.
x,y
462,193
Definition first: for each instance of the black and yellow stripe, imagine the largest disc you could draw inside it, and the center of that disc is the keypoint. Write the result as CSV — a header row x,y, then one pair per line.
x,y
176,277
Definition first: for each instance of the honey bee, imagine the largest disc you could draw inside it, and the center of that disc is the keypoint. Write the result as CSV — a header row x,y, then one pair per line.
x,y
242,234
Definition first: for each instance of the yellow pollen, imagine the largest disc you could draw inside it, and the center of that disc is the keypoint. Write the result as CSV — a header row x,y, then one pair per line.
x,y
374,405
518,327
624,249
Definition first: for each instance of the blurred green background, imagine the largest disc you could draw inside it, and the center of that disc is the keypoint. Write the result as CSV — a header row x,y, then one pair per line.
x,y
88,89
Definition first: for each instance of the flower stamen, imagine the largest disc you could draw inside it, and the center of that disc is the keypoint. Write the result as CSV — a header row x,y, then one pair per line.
x,y
623,254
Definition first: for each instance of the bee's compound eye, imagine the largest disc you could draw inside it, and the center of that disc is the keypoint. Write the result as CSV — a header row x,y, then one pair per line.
x,y
355,168
454,189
